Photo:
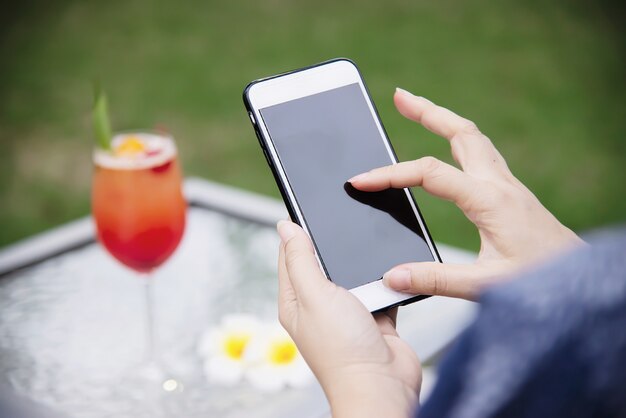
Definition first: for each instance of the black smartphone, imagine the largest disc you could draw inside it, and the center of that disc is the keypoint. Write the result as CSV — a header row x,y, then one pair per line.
x,y
318,127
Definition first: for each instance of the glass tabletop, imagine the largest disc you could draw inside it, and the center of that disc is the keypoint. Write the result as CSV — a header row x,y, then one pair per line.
x,y
72,325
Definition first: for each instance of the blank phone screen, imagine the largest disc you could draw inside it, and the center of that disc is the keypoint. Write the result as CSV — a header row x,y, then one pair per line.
x,y
322,140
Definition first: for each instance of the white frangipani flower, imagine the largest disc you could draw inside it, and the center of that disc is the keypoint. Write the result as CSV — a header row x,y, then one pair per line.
x,y
274,361
224,348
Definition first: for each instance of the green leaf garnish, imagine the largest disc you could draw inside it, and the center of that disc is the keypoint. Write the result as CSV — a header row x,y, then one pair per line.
x,y
101,124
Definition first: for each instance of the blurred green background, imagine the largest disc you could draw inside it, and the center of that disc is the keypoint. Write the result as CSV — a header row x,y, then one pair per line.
x,y
544,81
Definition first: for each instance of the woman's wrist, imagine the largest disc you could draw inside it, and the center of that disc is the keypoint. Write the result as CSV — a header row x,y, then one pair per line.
x,y
566,240
370,395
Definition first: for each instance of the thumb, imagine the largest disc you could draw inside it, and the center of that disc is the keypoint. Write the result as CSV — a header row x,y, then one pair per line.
x,y
432,278
300,264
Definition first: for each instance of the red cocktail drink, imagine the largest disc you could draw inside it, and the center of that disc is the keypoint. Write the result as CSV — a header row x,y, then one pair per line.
x,y
137,200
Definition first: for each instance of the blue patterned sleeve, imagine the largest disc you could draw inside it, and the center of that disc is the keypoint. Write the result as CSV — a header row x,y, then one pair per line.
x,y
551,343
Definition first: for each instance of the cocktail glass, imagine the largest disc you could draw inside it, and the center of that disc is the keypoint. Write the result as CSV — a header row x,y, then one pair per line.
x,y
139,212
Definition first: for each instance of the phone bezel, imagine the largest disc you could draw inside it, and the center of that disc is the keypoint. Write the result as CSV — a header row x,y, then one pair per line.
x,y
302,83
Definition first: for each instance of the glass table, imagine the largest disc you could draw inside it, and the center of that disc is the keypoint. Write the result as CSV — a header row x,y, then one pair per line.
x,y
71,317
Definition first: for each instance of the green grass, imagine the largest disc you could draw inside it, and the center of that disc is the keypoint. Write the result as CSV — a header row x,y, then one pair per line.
x,y
545,82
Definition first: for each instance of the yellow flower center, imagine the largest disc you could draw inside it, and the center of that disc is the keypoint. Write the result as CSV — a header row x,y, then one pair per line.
x,y
282,352
130,146
235,345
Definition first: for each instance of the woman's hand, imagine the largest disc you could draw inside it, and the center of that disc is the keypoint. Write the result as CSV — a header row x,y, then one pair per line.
x,y
515,229
366,370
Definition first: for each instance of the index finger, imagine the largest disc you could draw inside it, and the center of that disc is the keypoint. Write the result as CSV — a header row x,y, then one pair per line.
x,y
434,176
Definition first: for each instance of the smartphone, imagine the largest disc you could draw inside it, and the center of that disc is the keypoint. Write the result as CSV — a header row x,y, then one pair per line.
x,y
318,127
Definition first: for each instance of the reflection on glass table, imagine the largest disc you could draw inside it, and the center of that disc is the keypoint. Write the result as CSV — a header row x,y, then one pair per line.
x,y
72,324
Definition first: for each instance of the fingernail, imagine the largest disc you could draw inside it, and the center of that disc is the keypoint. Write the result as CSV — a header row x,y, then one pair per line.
x,y
360,177
398,279
409,94
403,91
286,230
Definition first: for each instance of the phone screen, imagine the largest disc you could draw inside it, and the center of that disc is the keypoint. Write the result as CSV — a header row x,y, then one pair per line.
x,y
322,140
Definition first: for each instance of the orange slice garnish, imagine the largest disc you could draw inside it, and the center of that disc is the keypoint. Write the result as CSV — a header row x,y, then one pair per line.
x,y
131,145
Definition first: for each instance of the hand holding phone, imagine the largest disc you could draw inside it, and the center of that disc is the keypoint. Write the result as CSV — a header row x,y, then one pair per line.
x,y
366,370
381,377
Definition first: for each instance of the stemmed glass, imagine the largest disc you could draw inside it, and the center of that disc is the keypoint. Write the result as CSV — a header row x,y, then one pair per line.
x,y
139,212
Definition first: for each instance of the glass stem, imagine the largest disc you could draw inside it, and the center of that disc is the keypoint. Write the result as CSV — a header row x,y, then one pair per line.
x,y
150,349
